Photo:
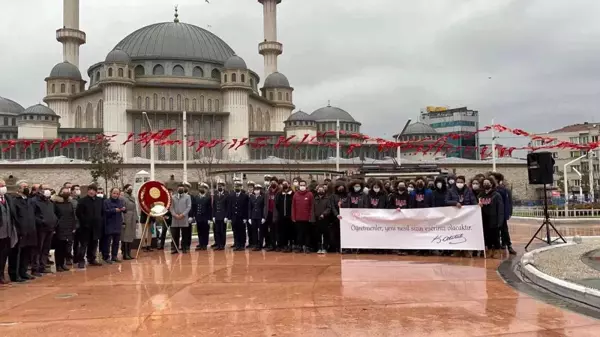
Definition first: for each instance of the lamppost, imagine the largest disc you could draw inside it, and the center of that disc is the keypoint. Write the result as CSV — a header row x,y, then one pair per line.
x,y
151,145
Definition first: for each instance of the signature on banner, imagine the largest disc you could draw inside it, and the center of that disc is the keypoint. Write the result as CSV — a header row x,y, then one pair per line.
x,y
451,239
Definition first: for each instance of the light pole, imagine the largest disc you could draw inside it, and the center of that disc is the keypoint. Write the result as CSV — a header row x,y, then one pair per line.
x,y
580,183
185,171
493,147
151,145
566,182
398,150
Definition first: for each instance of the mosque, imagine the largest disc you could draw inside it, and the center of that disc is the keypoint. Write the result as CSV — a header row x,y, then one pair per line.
x,y
154,74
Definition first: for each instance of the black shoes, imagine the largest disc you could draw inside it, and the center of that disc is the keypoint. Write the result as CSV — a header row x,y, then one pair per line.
x,y
61,269
80,265
27,277
115,260
95,263
69,262
511,251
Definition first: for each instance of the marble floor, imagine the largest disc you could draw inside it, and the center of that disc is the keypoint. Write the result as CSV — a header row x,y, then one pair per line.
x,y
274,294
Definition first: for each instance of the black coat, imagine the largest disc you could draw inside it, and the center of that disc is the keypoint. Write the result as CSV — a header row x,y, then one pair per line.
x,y
219,206
355,200
24,221
67,221
338,199
45,218
376,200
202,208
322,207
237,206
398,200
492,209
256,207
90,212
283,205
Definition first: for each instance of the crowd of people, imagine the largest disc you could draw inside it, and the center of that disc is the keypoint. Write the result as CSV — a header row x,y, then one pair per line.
x,y
282,216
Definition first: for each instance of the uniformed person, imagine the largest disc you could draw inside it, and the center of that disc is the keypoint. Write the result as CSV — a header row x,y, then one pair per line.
x,y
203,213
238,214
256,215
219,213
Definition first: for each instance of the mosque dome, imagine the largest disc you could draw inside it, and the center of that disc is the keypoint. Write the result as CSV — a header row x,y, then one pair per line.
x,y
276,80
38,109
235,62
67,70
8,106
175,41
300,116
331,113
419,129
117,56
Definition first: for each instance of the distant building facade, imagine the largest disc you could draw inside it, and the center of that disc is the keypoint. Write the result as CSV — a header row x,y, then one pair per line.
x,y
461,121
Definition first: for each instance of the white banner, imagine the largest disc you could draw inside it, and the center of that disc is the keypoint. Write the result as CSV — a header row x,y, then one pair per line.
x,y
438,228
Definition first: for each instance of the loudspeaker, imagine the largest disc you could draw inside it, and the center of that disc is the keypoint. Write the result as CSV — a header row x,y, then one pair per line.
x,y
540,168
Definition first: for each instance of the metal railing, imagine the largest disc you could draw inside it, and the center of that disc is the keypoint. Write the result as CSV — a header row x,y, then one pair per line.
x,y
538,212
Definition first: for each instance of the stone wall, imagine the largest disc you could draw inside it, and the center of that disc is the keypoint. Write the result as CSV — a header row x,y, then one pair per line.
x,y
56,175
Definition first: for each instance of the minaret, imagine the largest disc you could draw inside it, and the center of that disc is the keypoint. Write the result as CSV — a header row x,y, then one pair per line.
x,y
70,35
270,48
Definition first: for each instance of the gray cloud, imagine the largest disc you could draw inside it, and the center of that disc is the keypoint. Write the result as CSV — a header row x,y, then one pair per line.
x,y
381,60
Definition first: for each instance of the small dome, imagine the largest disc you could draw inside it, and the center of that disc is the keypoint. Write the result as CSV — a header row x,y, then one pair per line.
x,y
419,129
300,116
66,69
118,56
38,109
331,113
276,80
235,62
8,106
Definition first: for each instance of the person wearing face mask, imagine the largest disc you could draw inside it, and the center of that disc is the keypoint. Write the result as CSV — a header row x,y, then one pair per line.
x,y
295,183
181,204
460,195
283,215
186,232
451,181
90,213
399,199
24,221
492,215
410,186
322,211
256,208
508,209
8,231
431,184
420,197
267,180
219,213
45,220
338,199
303,215
100,193
475,188
129,222
67,224
114,210
250,186
439,192
72,245
269,232
237,212
377,197
356,197
202,210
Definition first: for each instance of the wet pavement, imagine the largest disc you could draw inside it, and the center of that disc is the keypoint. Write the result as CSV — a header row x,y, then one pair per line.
x,y
275,294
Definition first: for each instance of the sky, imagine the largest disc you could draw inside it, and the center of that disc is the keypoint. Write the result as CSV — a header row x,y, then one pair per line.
x,y
528,64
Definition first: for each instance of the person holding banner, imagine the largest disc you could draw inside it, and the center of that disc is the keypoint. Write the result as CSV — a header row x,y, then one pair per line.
x,y
399,198
322,210
439,192
492,213
356,196
460,195
421,197
338,198
377,197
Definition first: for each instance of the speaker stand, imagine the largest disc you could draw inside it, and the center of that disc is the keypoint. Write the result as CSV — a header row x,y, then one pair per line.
x,y
547,224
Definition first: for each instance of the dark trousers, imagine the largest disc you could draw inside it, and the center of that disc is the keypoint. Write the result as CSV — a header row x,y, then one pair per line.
x,y
110,246
75,246
253,226
491,237
18,261
323,231
42,251
334,236
203,229
87,247
186,237
303,231
273,231
175,237
239,233
60,252
287,231
505,235
163,232
220,233
263,233
4,252
69,249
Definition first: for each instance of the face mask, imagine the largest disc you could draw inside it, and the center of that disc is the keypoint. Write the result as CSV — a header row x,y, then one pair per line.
x,y
129,191
180,191
26,191
3,190
410,189
257,192
186,190
420,184
451,181
487,187
202,191
47,193
365,190
376,189
356,188
321,192
438,185
285,186
302,188
430,185
340,190
273,185
267,183
220,189
475,187
460,185
250,187
100,195
402,188
237,189
65,195
295,183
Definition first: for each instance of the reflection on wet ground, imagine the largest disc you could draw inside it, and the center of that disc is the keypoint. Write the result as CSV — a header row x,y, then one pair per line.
x,y
274,294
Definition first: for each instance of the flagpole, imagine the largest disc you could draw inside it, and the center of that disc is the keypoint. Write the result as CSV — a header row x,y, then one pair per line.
x,y
337,146
184,143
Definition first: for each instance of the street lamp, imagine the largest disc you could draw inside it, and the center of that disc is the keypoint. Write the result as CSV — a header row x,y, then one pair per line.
x,y
398,150
151,146
566,182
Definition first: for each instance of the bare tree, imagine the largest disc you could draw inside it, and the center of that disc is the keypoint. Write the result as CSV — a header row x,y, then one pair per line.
x,y
106,163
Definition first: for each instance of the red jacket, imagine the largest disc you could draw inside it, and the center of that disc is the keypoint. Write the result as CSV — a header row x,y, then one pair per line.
x,y
302,206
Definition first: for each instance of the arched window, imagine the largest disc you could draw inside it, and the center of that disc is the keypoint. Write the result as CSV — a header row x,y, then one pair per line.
x,y
201,103
258,121
110,72
225,78
267,121
158,70
129,73
198,72
97,76
271,95
147,105
194,105
243,78
186,106
63,88
216,74
121,72
100,114
252,83
217,105
53,88
139,102
251,117
280,96
139,70
209,105
163,104
89,116
78,119
72,88
178,102
234,77
171,103
287,96
155,102
178,71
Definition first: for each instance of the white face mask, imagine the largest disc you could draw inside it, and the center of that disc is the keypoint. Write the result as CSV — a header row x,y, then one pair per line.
x,y
356,188
3,190
295,183
47,193
475,187
100,195
439,185
366,190
376,189
77,192
302,188
460,185
257,192
451,181
410,189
